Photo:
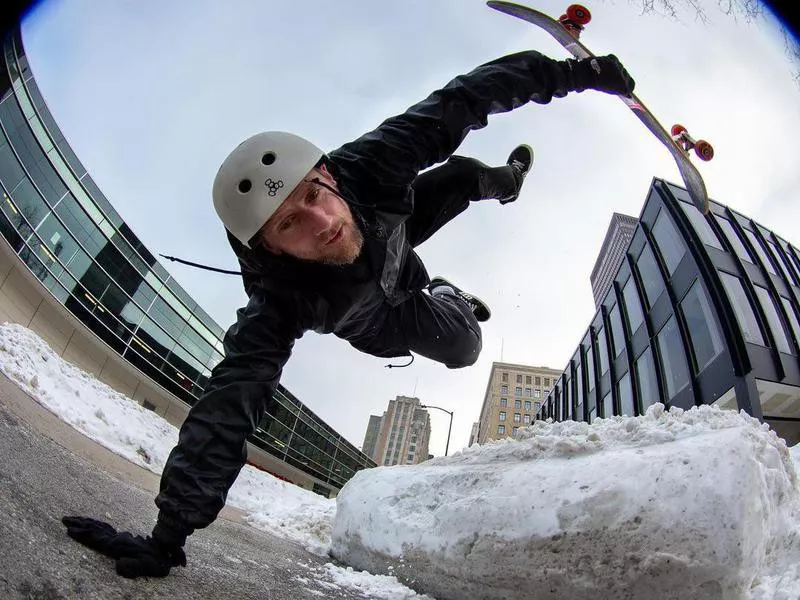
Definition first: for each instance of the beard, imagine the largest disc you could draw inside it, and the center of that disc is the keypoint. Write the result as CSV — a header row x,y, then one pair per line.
x,y
347,250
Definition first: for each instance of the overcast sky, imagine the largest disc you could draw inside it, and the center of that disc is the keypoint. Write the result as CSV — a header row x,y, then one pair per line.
x,y
153,95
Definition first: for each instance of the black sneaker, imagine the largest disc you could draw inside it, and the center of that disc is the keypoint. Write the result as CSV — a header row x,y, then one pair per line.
x,y
521,161
478,306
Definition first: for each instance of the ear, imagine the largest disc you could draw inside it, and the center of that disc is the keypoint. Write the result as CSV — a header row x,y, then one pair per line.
x,y
326,174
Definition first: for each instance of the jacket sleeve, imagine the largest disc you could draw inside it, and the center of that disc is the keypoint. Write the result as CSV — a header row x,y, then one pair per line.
x,y
212,446
431,130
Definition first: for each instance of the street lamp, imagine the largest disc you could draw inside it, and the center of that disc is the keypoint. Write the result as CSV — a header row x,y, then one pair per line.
x,y
449,412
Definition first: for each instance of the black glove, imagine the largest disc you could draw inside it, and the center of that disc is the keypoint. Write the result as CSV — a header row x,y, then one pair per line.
x,y
136,556
602,73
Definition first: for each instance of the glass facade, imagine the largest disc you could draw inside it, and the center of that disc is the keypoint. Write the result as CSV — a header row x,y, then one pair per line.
x,y
728,327
70,237
703,333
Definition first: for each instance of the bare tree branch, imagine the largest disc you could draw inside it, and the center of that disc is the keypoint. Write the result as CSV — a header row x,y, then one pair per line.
x,y
751,11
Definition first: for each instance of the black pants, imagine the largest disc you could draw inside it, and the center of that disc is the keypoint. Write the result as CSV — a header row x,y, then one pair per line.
x,y
444,328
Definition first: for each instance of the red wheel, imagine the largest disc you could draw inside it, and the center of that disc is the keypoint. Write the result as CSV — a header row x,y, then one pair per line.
x,y
578,14
677,130
704,150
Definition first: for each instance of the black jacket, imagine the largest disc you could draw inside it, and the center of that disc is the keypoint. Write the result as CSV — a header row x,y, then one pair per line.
x,y
288,297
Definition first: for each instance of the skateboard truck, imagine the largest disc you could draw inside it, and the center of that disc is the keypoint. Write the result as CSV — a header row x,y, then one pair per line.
x,y
575,18
702,148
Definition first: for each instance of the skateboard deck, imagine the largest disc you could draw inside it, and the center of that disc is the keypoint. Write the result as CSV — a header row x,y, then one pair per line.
x,y
561,33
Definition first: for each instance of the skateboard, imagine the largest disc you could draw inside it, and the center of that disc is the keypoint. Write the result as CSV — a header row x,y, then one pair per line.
x,y
566,31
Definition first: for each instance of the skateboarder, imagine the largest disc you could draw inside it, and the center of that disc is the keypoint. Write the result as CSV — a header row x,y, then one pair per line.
x,y
326,243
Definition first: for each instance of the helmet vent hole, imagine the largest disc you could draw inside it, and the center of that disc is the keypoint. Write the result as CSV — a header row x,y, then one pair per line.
x,y
245,185
268,158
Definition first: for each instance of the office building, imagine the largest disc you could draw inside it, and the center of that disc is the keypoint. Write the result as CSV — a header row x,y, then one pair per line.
x,y
513,396
705,309
404,432
612,253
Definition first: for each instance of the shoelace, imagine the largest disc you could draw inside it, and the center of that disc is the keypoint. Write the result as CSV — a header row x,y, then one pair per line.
x,y
518,165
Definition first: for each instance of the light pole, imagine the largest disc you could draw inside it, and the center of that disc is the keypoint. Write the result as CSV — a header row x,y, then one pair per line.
x,y
449,412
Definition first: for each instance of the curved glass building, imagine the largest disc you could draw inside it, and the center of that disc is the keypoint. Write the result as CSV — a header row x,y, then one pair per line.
x,y
705,309
91,266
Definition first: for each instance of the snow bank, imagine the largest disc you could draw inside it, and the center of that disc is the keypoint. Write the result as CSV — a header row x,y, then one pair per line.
x,y
679,504
143,437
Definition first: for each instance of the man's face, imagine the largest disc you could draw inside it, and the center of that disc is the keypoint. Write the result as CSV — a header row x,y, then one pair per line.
x,y
314,224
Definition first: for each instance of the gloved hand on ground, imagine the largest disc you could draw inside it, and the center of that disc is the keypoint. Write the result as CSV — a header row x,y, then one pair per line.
x,y
136,556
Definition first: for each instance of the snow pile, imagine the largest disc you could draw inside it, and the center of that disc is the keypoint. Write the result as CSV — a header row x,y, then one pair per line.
x,y
87,404
695,504
681,504
128,429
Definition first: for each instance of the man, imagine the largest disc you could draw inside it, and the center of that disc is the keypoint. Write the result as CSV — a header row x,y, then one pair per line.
x,y
325,243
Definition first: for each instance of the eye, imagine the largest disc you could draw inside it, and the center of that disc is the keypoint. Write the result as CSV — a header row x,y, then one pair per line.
x,y
312,195
286,224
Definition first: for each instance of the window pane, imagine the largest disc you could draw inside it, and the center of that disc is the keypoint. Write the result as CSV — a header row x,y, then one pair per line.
x,y
701,226
646,379
589,369
773,319
632,306
779,260
602,350
787,305
651,276
705,338
670,243
673,360
608,406
617,334
625,394
760,251
741,306
734,240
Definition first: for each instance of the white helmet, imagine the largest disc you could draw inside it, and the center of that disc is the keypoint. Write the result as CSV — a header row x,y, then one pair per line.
x,y
257,176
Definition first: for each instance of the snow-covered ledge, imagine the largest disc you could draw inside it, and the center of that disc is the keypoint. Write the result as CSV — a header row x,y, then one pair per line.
x,y
673,504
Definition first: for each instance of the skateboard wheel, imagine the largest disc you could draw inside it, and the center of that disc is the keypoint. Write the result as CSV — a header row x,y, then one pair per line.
x,y
704,150
677,130
578,14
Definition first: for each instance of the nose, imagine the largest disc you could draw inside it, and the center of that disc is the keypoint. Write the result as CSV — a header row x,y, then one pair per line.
x,y
319,220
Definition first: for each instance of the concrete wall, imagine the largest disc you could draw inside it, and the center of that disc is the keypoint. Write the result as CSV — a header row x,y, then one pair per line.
x,y
25,301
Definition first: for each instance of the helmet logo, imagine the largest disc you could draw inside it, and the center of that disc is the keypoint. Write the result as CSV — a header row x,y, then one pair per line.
x,y
273,186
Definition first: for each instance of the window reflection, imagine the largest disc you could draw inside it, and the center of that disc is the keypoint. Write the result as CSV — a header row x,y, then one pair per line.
x,y
741,306
703,333
625,393
617,333
760,251
673,360
778,332
646,379
701,226
733,239
632,306
650,275
670,243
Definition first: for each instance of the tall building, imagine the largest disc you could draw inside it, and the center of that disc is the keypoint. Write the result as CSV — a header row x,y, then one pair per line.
x,y
371,436
513,396
73,271
705,309
403,434
473,434
612,253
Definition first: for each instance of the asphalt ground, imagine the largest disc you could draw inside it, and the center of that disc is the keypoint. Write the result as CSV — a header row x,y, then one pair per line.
x,y
48,469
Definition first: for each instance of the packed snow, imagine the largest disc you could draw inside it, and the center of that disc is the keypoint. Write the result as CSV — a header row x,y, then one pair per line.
x,y
712,491
700,503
